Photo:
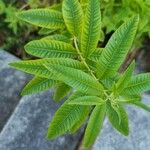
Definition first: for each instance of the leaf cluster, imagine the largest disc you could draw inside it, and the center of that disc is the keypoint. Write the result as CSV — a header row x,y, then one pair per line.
x,y
74,66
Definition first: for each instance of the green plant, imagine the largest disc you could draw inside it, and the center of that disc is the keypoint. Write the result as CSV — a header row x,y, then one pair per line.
x,y
123,10
74,65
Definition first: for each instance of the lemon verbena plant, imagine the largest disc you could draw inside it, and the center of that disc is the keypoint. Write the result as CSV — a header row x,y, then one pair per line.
x,y
74,65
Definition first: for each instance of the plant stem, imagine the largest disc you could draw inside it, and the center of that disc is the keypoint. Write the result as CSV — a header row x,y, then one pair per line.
x,y
83,60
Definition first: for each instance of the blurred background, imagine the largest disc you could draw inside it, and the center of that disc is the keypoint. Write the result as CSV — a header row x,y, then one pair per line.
x,y
24,120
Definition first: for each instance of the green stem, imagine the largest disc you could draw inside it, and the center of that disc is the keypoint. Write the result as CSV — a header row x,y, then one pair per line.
x,y
83,60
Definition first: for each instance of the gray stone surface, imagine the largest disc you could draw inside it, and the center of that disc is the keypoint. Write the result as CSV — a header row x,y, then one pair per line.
x,y
11,83
27,127
139,138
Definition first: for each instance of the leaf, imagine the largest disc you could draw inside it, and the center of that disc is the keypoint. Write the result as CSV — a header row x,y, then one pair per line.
x,y
122,126
77,79
57,37
83,118
129,99
36,67
117,48
125,78
73,16
64,119
141,105
80,122
138,84
94,125
57,7
62,90
91,28
37,85
87,100
50,49
45,18
96,54
45,31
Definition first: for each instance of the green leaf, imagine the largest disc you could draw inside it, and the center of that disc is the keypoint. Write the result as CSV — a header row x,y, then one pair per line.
x,y
138,84
64,119
45,31
77,79
83,118
91,28
73,16
45,18
80,122
141,105
125,78
87,100
129,99
120,124
62,90
57,7
96,54
50,49
36,67
117,48
37,85
94,125
57,37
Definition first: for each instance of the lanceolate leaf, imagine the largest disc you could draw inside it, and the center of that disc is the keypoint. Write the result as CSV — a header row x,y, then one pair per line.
x,y
129,99
141,105
50,49
62,90
121,126
117,48
91,28
37,85
73,16
125,78
87,100
77,79
81,121
43,18
36,67
138,84
94,125
64,119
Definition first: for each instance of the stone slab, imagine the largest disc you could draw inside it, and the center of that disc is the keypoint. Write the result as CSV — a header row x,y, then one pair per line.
x,y
27,127
11,83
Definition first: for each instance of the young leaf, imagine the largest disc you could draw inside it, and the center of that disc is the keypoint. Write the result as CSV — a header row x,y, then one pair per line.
x,y
91,28
117,48
64,119
73,16
87,100
125,78
138,84
77,79
45,18
94,125
37,85
62,90
50,49
122,124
